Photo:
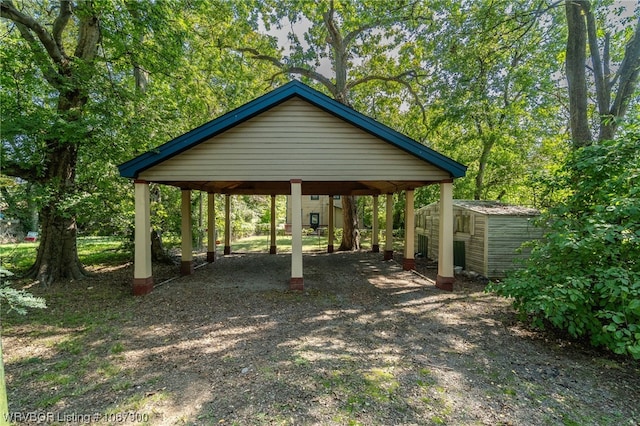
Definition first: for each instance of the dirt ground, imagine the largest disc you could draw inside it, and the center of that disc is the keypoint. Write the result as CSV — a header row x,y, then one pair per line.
x,y
365,343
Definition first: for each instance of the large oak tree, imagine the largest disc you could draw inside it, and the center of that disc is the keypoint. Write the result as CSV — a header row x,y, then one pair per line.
x,y
343,47
73,108
65,50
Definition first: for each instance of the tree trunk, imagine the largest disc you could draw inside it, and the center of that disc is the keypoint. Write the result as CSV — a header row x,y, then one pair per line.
x,y
576,74
349,223
158,253
57,255
487,145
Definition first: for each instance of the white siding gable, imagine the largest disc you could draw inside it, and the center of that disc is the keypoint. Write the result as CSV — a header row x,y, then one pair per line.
x,y
294,140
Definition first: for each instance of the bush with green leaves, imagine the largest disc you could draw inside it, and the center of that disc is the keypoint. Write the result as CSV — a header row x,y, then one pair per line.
x,y
584,277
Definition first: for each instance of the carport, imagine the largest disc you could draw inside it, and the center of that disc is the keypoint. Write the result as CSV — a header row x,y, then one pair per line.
x,y
292,141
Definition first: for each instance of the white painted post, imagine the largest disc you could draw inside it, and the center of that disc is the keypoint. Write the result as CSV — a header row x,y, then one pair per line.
x,y
297,281
445,277
142,272
227,224
409,261
186,266
375,246
273,249
331,226
388,243
211,227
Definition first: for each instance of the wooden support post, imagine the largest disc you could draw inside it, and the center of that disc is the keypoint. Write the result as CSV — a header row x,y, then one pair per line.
x,y
186,266
388,243
409,261
445,277
142,272
227,224
273,249
297,281
375,246
331,226
211,227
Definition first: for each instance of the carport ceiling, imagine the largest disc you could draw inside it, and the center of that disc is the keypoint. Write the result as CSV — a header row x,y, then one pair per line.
x,y
308,188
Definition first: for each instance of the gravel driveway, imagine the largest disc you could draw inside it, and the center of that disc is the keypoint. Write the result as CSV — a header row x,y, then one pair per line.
x,y
365,343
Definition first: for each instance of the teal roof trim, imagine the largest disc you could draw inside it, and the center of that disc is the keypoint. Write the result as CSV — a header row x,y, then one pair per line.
x,y
132,168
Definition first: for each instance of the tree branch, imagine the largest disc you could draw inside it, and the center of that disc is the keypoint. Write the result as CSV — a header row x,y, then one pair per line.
x,y
400,79
48,71
8,11
314,76
15,170
348,39
606,60
255,54
628,74
61,22
286,69
88,36
329,22
602,95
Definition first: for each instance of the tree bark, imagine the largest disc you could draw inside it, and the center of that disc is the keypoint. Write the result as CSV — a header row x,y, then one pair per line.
x,y
57,255
581,24
349,223
158,253
487,144
627,77
576,73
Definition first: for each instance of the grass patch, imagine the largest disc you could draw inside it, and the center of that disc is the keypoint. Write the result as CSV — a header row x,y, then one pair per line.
x,y
71,346
261,243
54,378
137,402
117,348
310,243
18,257
380,385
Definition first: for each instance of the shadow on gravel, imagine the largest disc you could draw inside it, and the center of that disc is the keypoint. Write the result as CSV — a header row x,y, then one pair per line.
x,y
364,343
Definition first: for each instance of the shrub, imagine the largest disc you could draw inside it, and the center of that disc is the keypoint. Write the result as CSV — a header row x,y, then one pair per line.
x,y
584,277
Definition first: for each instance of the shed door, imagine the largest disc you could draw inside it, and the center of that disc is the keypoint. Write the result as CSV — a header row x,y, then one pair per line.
x,y
458,254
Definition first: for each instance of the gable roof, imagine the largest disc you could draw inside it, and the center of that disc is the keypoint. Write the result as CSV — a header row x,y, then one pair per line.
x,y
132,168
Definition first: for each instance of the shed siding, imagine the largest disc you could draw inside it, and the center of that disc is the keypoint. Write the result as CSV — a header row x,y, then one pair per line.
x,y
507,233
294,139
490,247
428,224
474,244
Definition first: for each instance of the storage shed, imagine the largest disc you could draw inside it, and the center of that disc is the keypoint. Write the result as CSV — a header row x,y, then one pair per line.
x,y
487,234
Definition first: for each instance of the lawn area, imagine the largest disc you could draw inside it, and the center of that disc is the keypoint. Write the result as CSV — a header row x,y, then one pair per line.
x,y
93,251
261,243
310,243
18,257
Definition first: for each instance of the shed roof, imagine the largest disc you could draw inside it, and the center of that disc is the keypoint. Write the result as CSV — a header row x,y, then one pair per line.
x,y
146,166
494,208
